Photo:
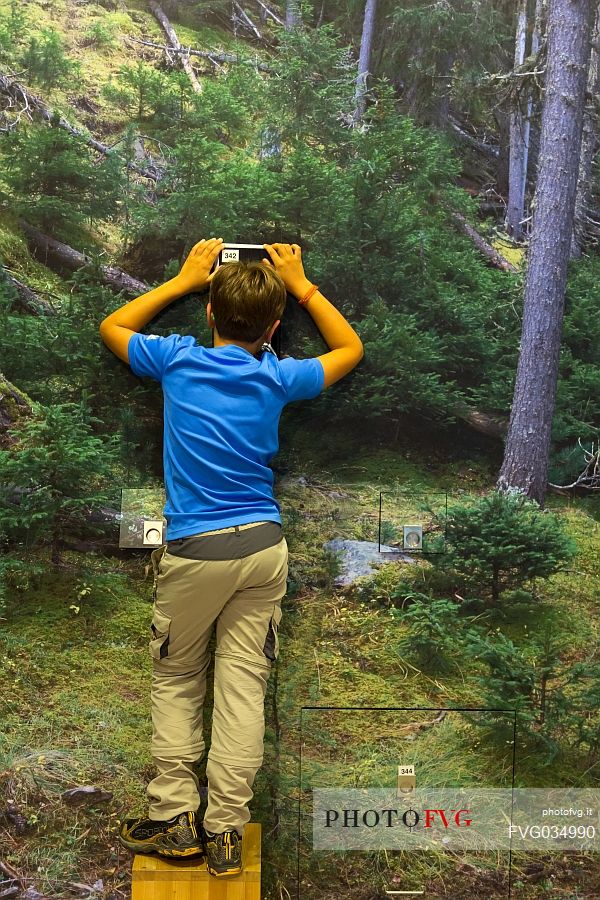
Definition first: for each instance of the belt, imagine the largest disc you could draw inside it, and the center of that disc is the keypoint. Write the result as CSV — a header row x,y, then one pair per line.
x,y
234,542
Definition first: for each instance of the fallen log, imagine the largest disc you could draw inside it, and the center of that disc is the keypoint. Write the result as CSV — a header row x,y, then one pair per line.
x,y
102,521
245,19
481,146
495,258
269,12
17,92
175,44
14,406
492,426
214,57
45,247
28,299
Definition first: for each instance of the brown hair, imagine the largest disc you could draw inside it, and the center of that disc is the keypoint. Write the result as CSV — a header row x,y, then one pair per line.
x,y
246,299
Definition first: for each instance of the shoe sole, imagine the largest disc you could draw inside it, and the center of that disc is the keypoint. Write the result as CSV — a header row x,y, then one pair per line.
x,y
227,872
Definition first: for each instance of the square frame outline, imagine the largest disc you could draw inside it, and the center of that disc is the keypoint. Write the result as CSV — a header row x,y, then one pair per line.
x,y
406,709
414,494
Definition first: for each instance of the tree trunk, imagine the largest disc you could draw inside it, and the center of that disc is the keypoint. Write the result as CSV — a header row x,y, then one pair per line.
x,y
444,81
270,143
495,585
526,458
366,44
519,137
55,555
176,45
502,121
533,144
589,144
293,14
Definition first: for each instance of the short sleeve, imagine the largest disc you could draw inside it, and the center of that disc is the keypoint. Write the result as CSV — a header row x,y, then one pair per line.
x,y
150,354
303,378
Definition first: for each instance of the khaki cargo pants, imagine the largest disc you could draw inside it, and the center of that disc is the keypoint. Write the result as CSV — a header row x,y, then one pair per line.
x,y
234,578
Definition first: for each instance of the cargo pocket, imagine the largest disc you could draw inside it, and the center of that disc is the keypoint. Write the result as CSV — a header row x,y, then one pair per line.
x,y
271,645
156,564
160,627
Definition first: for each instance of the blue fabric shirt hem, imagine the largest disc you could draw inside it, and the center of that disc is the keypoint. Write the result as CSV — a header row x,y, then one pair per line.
x,y
174,534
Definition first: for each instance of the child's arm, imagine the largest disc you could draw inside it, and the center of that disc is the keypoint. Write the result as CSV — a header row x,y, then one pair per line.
x,y
116,329
346,347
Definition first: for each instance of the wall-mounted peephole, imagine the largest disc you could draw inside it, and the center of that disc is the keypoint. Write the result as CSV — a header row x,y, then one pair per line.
x,y
153,532
413,537
142,523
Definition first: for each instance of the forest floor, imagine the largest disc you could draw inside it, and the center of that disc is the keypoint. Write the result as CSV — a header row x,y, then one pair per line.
x,y
75,684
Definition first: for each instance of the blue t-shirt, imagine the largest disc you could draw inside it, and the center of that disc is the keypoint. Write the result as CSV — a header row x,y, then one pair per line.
x,y
221,420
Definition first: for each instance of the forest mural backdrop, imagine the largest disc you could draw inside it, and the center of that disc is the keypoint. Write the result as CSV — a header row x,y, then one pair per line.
x,y
437,163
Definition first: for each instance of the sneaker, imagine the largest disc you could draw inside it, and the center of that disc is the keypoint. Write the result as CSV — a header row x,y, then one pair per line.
x,y
175,838
223,852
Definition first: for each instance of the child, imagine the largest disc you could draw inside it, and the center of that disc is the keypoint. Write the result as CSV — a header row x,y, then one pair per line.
x,y
225,562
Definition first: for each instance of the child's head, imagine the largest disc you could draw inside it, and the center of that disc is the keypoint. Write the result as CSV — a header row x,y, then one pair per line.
x,y
246,299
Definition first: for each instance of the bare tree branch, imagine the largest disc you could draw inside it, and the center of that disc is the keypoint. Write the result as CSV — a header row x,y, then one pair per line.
x,y
247,21
482,245
269,12
213,56
589,479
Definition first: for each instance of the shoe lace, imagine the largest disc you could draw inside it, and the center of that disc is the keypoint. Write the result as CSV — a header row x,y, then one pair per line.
x,y
225,844
230,843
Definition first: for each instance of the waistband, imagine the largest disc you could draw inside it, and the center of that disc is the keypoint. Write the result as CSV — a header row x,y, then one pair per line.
x,y
229,528
234,542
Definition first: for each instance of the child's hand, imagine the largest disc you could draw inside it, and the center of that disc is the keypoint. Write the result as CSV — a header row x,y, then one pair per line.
x,y
287,262
195,271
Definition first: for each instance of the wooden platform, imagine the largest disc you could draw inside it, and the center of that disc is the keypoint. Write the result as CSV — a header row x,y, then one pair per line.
x,y
154,878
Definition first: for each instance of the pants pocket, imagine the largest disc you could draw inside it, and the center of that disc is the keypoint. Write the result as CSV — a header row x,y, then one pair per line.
x,y
155,562
160,627
271,645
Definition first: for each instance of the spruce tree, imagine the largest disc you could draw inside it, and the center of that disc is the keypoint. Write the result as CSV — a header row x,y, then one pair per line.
x,y
55,182
54,474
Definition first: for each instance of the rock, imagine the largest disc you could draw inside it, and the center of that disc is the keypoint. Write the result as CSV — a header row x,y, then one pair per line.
x,y
9,892
85,794
15,816
359,557
32,894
